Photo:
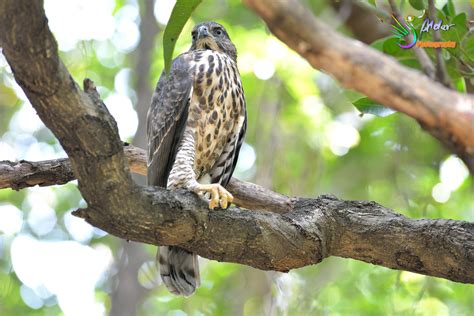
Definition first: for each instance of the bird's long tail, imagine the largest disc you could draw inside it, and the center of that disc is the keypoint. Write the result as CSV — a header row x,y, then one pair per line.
x,y
179,270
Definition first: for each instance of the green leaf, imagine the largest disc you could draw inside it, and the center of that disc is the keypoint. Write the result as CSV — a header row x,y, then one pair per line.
x,y
366,105
378,44
449,8
441,16
460,26
411,62
453,69
468,44
390,47
460,84
352,95
179,16
418,4
457,31
417,22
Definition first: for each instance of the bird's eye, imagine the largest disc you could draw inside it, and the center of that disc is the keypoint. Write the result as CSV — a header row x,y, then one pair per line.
x,y
218,32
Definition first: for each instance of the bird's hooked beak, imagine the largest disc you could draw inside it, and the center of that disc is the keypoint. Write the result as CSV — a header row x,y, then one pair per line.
x,y
203,32
205,39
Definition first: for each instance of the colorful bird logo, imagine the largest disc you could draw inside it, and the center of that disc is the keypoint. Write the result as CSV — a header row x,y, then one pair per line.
x,y
402,31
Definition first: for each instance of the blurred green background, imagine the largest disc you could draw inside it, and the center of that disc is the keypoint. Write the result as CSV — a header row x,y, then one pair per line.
x,y
305,138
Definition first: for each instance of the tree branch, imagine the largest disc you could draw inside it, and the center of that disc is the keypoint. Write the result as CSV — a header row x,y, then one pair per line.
x,y
314,230
126,298
446,114
23,174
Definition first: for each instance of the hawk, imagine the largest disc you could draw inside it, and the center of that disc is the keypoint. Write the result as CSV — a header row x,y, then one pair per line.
x,y
195,127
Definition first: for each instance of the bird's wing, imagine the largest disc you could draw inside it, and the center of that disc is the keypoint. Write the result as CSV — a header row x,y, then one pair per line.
x,y
222,172
240,141
166,119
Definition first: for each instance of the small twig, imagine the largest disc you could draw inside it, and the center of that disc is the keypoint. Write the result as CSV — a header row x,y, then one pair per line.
x,y
441,72
422,57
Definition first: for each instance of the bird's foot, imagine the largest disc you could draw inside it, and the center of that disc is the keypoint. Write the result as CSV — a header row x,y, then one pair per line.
x,y
218,195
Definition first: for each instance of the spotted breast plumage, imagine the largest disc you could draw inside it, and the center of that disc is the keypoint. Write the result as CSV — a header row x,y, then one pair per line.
x,y
195,126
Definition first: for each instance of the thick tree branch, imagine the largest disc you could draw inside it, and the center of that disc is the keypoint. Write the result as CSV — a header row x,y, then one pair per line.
x,y
358,224
126,298
314,230
446,114
22,174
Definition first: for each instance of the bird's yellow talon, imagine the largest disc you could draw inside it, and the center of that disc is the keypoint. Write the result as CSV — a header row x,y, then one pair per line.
x,y
219,196
212,204
224,202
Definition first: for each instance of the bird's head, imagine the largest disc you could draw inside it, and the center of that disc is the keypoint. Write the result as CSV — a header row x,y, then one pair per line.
x,y
213,36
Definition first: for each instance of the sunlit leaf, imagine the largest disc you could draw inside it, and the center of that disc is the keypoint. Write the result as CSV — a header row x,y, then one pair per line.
x,y
458,30
449,8
411,62
453,69
366,105
179,16
431,306
460,84
468,44
378,44
390,47
418,4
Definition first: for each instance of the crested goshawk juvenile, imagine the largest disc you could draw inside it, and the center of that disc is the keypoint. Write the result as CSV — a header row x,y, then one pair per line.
x,y
195,127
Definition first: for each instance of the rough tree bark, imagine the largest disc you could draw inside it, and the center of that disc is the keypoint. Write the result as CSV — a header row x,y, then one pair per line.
x,y
23,174
313,230
446,114
355,229
128,295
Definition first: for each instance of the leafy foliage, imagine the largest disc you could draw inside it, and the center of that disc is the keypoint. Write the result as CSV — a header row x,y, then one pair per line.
x,y
419,4
366,105
459,61
179,16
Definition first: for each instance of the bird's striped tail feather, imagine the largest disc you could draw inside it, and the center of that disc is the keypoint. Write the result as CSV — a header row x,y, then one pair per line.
x,y
179,270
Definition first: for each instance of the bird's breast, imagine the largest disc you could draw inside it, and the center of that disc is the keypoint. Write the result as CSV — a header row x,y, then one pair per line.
x,y
216,103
